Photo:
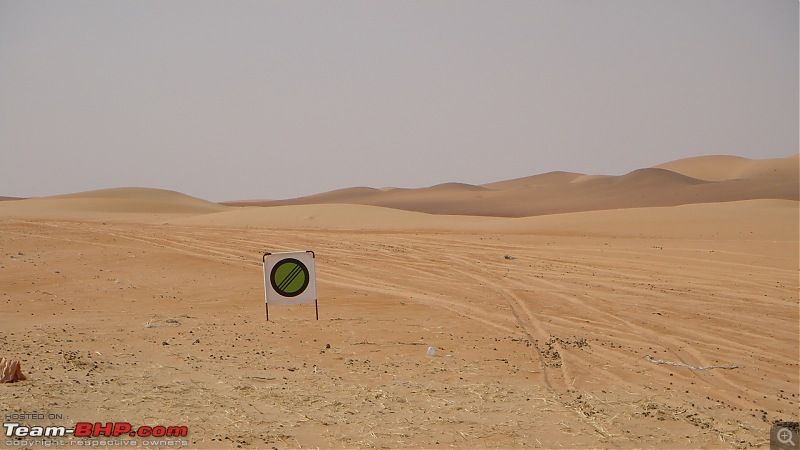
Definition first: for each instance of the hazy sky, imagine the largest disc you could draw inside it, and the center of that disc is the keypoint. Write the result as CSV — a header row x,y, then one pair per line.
x,y
276,99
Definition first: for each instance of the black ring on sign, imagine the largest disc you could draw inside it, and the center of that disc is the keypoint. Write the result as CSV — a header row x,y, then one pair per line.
x,y
285,282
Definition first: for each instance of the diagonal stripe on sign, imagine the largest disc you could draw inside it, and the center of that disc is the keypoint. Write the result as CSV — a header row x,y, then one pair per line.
x,y
287,279
290,277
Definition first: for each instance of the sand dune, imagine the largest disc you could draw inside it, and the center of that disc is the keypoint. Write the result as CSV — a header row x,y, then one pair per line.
x,y
694,180
110,203
651,176
754,219
709,179
710,168
761,218
720,168
545,179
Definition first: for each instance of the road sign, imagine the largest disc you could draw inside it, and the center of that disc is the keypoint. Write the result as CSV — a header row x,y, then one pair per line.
x,y
289,278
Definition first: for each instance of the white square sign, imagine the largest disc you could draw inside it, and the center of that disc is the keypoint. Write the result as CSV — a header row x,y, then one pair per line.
x,y
290,278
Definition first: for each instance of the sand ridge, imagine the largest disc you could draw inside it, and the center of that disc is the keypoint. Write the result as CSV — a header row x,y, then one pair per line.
x,y
111,203
721,167
694,180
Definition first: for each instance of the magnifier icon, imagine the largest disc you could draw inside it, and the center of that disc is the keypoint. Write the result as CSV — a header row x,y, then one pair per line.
x,y
785,436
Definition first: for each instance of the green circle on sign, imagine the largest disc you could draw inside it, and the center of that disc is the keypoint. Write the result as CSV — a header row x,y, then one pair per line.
x,y
289,277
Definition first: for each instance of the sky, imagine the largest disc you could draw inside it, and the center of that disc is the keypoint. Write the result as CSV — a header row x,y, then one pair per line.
x,y
279,99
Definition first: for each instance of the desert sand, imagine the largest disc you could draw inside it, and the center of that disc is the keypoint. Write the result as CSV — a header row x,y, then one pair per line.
x,y
553,314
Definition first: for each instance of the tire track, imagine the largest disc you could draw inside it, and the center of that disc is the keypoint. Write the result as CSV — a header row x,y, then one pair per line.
x,y
646,335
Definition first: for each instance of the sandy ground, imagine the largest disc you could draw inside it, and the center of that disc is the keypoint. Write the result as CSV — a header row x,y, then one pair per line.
x,y
670,323
156,317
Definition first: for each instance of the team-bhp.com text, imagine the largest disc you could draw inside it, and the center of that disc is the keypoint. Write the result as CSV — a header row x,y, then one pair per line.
x,y
89,430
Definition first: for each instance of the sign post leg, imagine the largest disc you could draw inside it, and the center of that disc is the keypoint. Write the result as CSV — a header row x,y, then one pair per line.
x,y
316,309
266,305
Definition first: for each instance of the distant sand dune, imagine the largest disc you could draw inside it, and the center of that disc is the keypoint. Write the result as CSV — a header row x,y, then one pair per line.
x,y
706,179
105,202
720,168
545,179
755,219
